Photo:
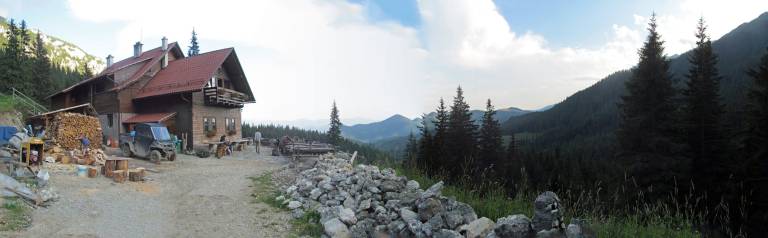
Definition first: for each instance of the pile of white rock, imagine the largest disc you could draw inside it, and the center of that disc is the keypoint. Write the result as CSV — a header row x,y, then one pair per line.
x,y
365,201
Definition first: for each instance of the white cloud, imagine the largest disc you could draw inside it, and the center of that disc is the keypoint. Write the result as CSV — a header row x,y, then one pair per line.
x,y
677,28
301,55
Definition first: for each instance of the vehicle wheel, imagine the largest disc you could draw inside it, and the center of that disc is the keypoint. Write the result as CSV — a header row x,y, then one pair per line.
x,y
155,156
126,150
172,157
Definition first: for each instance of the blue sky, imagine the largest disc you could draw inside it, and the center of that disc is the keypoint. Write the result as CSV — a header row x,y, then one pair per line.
x,y
562,22
377,58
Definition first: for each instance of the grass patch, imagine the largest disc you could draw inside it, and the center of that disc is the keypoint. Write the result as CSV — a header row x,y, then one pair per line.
x,y
7,103
651,221
14,215
265,191
307,225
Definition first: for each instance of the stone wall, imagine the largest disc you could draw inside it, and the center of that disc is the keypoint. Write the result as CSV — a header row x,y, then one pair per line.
x,y
366,201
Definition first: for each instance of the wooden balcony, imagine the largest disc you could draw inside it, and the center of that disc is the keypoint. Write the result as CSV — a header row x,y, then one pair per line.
x,y
217,96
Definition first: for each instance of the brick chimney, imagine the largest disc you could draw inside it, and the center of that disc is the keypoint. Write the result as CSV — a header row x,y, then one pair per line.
x,y
137,49
110,60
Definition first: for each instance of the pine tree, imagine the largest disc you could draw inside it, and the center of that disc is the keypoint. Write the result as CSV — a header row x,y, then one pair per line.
x,y
25,82
511,163
489,140
334,131
426,149
87,70
10,70
647,133
411,150
755,144
439,151
194,48
41,69
460,135
24,37
702,115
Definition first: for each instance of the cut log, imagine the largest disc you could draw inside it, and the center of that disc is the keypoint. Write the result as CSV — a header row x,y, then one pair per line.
x,y
122,164
67,128
120,175
93,172
136,175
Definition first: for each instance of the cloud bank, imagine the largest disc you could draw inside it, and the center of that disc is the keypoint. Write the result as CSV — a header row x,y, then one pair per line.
x,y
300,55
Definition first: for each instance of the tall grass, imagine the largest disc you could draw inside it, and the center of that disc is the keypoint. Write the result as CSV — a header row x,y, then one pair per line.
x,y
490,199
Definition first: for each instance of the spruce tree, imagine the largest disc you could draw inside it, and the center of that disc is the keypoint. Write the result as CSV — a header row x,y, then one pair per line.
x,y
426,149
194,48
647,133
755,144
489,140
439,151
334,131
11,71
703,111
41,69
460,136
25,81
411,150
87,72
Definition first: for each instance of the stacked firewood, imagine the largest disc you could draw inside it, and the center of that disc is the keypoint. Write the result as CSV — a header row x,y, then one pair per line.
x,y
67,128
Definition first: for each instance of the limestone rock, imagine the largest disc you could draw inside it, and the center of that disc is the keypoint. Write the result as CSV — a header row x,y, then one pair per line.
x,y
547,212
428,208
479,228
515,226
433,191
445,233
347,216
294,204
336,229
552,233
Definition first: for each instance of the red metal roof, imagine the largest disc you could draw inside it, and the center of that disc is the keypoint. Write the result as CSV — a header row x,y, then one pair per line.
x,y
147,58
186,74
150,117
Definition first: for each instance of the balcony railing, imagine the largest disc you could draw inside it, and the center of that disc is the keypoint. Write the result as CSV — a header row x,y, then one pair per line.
x,y
224,97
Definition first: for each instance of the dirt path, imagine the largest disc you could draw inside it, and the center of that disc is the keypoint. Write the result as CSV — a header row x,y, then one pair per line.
x,y
191,197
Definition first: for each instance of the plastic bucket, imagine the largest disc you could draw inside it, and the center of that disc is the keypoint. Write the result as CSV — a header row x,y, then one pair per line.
x,y
82,171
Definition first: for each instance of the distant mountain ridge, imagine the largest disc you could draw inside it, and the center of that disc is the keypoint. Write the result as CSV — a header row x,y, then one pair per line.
x,y
61,52
401,126
586,120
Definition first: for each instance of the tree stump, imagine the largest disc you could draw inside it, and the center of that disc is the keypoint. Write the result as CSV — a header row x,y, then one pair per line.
x,y
93,172
119,176
136,175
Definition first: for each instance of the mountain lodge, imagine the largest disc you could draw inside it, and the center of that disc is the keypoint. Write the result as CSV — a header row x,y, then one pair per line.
x,y
199,98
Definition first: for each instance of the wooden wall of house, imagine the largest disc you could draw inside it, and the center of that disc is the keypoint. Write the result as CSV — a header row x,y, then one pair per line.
x,y
125,96
200,110
179,103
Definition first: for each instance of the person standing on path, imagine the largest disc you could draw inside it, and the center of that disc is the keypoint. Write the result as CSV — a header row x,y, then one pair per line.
x,y
257,137
85,143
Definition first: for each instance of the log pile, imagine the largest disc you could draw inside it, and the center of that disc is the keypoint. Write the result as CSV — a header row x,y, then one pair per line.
x,y
66,128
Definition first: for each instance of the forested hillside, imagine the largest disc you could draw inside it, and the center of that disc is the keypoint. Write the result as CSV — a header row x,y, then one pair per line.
x,y
37,64
586,120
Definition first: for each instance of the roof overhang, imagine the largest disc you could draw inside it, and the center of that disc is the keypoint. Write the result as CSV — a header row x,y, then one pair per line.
x,y
150,117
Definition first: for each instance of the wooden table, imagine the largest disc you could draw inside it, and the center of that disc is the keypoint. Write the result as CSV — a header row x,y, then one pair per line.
x,y
240,144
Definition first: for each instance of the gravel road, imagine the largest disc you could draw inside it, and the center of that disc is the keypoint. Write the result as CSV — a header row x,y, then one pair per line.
x,y
191,197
